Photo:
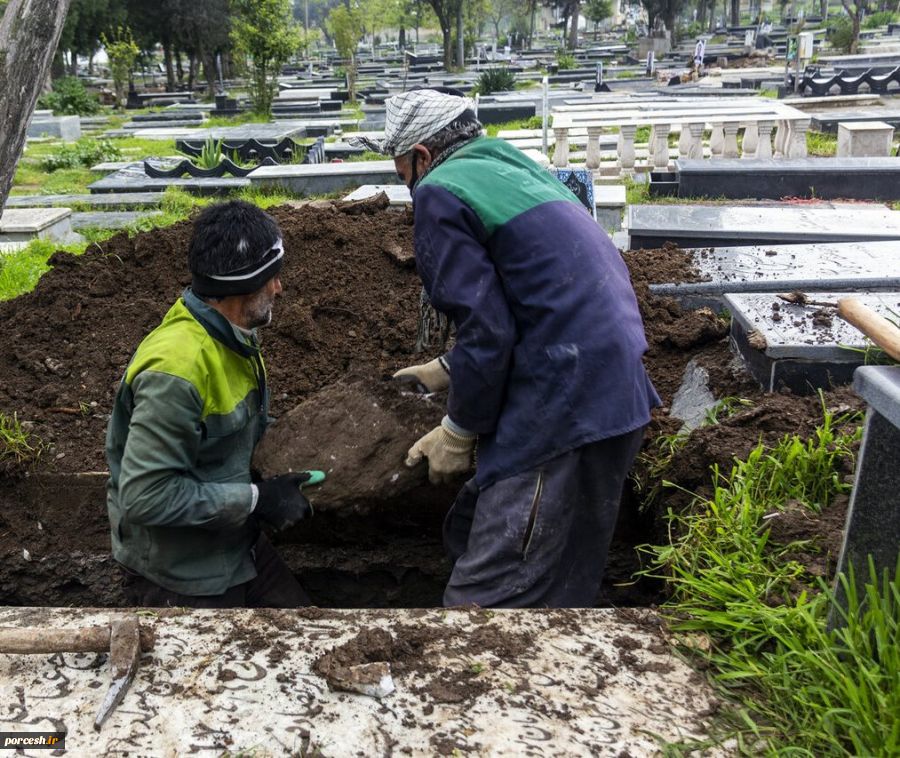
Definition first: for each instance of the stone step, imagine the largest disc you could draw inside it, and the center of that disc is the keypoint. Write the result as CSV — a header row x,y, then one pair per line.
x,y
801,347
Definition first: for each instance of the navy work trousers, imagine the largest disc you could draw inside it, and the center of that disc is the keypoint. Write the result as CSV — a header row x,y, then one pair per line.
x,y
539,539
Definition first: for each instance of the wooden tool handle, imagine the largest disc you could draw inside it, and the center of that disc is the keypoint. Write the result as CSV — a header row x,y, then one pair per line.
x,y
92,639
877,328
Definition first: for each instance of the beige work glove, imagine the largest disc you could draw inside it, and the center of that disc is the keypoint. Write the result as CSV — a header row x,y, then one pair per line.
x,y
433,376
449,454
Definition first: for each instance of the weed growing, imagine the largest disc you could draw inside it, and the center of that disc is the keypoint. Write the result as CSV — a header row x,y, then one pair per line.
x,y
746,607
820,144
17,447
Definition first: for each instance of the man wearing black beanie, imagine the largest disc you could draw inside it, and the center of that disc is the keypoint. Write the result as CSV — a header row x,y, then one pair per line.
x,y
190,409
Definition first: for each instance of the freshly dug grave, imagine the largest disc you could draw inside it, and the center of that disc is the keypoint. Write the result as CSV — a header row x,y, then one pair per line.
x,y
348,314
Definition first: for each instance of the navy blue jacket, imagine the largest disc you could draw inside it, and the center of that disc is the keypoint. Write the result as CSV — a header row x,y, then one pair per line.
x,y
549,338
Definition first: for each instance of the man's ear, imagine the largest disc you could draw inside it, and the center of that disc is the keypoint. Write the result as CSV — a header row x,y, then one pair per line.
x,y
424,155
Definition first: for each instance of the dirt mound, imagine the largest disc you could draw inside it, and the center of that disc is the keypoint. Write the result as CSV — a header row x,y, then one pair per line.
x,y
358,432
348,304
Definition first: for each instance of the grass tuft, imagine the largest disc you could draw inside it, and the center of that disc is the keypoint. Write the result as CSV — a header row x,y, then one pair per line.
x,y
745,607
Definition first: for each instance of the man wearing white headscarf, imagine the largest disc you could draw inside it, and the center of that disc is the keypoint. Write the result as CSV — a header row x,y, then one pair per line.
x,y
546,374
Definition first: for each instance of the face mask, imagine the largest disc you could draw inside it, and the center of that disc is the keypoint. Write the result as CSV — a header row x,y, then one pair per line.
x,y
414,173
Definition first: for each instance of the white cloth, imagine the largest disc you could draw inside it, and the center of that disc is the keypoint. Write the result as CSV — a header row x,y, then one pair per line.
x,y
414,116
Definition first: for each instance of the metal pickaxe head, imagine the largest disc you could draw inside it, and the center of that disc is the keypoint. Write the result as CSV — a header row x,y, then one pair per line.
x,y
124,654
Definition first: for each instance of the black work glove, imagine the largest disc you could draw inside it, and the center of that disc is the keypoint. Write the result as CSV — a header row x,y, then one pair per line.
x,y
281,504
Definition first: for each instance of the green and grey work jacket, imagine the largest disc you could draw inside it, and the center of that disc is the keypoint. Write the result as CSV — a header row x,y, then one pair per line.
x,y
189,412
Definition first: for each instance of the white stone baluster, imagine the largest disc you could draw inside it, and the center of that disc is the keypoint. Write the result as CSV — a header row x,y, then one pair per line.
x,y
651,144
561,151
751,140
717,139
797,148
626,147
684,142
764,142
696,141
781,137
730,149
592,159
661,147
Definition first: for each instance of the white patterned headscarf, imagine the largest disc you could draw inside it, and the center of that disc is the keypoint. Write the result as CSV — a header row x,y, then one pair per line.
x,y
412,117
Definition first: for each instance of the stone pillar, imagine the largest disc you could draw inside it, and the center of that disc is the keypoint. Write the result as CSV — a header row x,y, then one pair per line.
x,y
684,142
781,137
561,152
661,147
764,141
592,160
730,149
626,147
873,518
717,139
797,147
651,144
696,141
751,140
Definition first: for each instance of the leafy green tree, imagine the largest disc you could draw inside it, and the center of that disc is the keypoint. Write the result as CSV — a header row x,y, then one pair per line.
x,y
447,11
856,10
123,52
346,28
597,11
265,32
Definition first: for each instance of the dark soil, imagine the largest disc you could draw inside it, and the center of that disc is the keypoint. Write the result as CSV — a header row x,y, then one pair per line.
x,y
348,314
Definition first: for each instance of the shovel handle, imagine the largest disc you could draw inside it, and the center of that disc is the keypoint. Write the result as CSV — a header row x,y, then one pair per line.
x,y
877,328
34,640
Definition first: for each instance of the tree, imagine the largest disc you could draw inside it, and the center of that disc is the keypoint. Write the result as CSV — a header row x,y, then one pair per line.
x,y
597,11
447,11
123,52
29,34
346,30
265,31
856,9
664,10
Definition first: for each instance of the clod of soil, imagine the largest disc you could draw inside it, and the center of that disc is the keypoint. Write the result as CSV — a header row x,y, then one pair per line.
x,y
358,432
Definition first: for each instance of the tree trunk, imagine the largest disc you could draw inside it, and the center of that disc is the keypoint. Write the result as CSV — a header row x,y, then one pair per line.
x,y
735,12
179,69
854,45
192,71
460,39
73,63
573,34
401,38
170,68
209,69
29,34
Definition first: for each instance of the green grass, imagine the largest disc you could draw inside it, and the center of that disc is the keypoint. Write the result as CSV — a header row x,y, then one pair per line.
x,y
636,193
819,144
20,271
770,93
749,611
534,122
18,448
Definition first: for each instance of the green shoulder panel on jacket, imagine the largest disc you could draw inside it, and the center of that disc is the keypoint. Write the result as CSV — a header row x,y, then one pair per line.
x,y
489,168
181,347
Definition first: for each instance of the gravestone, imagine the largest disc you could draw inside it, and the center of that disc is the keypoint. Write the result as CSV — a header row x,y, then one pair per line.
x,y
64,127
580,182
397,194
25,224
873,518
858,266
303,180
651,226
803,347
861,178
865,139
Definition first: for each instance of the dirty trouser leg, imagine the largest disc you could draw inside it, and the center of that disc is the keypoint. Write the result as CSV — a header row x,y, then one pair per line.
x,y
274,587
541,538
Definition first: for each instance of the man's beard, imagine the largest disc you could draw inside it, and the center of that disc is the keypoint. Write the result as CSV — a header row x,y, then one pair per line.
x,y
258,312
